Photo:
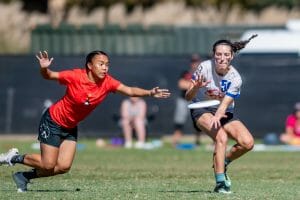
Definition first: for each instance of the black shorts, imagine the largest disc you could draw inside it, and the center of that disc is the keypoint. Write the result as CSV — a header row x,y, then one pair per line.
x,y
53,134
196,113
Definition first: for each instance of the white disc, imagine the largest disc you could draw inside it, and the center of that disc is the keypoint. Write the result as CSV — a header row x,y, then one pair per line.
x,y
204,104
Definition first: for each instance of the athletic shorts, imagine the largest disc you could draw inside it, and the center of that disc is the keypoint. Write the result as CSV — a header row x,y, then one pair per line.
x,y
196,113
53,134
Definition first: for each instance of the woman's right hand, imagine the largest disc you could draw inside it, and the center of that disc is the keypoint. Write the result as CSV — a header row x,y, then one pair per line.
x,y
200,81
44,60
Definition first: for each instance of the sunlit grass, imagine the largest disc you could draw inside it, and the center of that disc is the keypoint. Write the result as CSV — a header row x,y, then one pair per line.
x,y
164,173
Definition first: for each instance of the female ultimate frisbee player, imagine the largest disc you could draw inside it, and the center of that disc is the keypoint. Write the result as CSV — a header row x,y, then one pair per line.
x,y
218,79
86,88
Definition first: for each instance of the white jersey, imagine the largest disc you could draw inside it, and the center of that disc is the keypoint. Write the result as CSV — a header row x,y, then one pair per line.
x,y
229,84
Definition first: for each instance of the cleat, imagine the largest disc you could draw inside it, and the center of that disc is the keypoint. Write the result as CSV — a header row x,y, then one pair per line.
x,y
223,188
227,179
21,181
128,145
139,145
5,158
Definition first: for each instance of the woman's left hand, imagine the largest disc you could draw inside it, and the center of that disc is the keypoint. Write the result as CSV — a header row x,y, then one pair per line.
x,y
159,93
216,120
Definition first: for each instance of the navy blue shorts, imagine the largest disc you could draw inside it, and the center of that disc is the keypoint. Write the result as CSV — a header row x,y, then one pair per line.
x,y
196,113
53,134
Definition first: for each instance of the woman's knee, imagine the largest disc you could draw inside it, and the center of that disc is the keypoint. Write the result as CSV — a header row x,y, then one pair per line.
x,y
221,138
49,166
248,144
61,169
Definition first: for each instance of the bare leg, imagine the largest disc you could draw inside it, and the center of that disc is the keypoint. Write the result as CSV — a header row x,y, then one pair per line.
x,y
47,158
127,129
220,151
242,136
220,138
139,125
176,136
64,161
52,160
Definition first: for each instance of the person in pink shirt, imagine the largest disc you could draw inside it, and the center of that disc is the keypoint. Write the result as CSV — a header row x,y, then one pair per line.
x,y
292,127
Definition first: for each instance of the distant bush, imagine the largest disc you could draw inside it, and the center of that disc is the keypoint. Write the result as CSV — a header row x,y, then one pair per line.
x,y
254,5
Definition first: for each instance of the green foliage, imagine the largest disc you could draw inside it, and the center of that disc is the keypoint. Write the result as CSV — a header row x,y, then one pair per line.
x,y
7,1
92,4
261,4
255,5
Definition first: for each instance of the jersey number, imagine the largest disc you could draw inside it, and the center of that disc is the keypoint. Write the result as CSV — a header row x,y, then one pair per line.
x,y
225,85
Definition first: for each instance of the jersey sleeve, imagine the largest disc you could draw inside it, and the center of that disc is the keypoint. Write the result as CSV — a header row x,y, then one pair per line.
x,y
66,76
113,84
232,87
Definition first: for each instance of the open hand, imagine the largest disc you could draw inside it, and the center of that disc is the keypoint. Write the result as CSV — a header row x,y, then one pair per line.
x,y
159,93
215,120
199,81
44,60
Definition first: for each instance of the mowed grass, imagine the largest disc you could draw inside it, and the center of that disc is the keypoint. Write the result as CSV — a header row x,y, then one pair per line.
x,y
164,173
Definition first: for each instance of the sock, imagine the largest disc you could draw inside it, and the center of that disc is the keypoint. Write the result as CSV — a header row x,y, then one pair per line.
x,y
220,177
18,159
30,174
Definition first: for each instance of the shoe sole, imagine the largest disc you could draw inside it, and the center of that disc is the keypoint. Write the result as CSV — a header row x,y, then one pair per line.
x,y
223,192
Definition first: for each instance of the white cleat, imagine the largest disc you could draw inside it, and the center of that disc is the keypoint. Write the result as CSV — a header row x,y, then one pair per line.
x,y
139,145
128,145
5,158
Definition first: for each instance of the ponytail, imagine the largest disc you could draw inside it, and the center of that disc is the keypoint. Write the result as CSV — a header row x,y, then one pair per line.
x,y
235,46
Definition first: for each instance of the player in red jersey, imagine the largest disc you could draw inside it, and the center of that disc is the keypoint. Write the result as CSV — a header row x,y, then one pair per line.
x,y
86,88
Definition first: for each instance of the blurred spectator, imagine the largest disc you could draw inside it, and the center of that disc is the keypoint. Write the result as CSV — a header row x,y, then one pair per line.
x,y
133,117
47,104
181,110
292,127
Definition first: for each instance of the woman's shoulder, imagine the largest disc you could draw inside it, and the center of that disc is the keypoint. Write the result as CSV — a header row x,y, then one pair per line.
x,y
234,72
206,63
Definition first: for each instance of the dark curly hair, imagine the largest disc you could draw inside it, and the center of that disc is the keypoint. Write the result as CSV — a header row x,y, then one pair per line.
x,y
235,46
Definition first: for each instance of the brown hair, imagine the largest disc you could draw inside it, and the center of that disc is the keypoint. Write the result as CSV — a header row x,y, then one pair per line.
x,y
235,46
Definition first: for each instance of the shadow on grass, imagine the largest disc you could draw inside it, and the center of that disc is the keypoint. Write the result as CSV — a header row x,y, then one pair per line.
x,y
59,190
186,191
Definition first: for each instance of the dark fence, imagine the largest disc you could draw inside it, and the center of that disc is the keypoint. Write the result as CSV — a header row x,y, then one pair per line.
x,y
134,39
270,89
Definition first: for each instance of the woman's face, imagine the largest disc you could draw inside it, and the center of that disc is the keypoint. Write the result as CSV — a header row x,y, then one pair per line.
x,y
223,56
99,66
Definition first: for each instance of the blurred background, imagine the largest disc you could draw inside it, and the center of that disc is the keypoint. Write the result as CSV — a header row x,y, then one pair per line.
x,y
150,43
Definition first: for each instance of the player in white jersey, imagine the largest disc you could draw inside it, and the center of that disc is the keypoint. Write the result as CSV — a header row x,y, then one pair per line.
x,y
218,79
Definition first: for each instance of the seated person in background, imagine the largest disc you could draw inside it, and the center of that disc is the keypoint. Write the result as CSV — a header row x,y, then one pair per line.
x,y
292,127
182,113
133,116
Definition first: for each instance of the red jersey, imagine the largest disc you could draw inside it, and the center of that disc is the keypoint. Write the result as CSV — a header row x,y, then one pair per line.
x,y
82,96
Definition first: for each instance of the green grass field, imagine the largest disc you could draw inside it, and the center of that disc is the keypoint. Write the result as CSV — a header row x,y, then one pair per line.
x,y
165,173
